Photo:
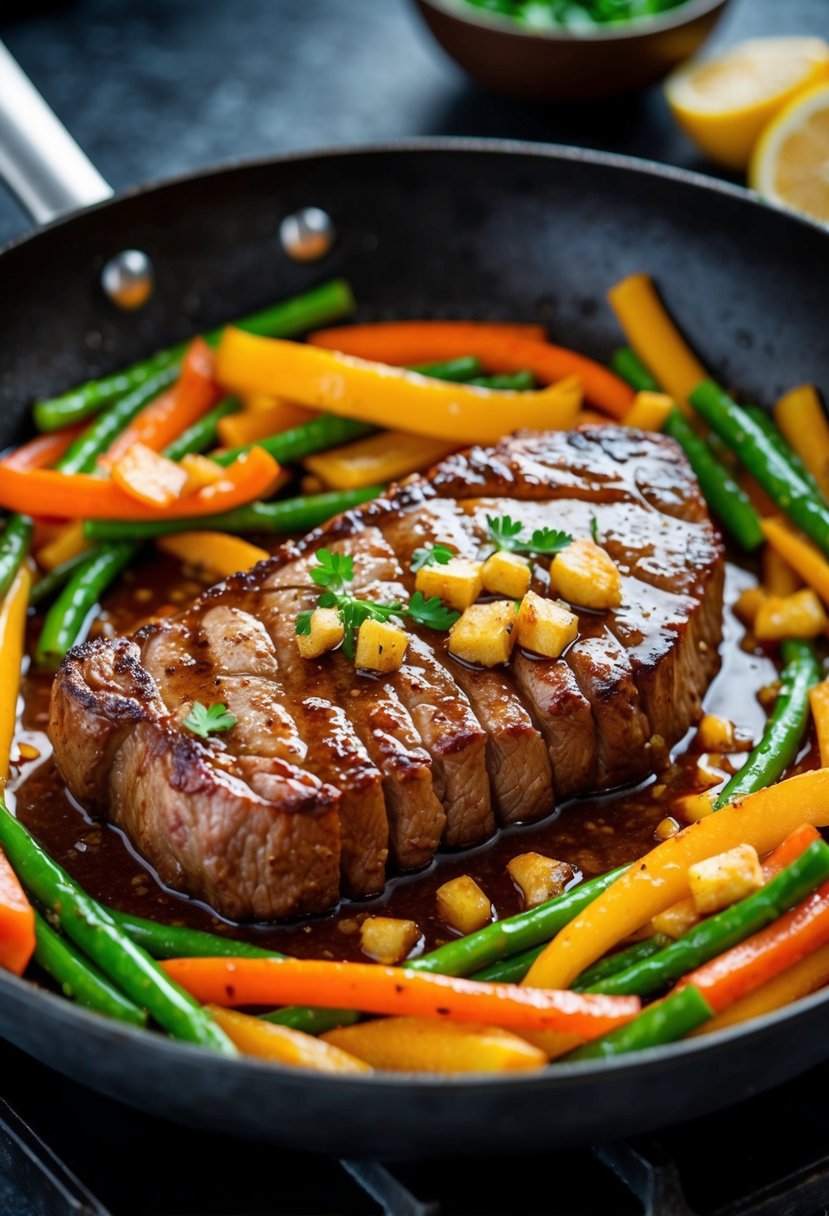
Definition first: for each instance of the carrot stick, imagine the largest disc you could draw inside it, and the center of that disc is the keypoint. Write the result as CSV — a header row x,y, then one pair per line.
x,y
43,450
404,342
498,352
789,850
82,496
798,981
17,922
660,878
760,958
394,990
163,420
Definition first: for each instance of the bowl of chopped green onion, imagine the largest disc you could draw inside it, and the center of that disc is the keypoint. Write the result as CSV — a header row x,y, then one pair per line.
x,y
569,50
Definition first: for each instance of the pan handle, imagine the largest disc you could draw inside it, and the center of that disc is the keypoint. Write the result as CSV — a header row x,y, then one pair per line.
x,y
39,159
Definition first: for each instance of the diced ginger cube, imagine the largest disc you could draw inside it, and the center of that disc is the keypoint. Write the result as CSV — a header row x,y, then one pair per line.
x,y
388,939
463,905
484,633
748,604
676,920
201,471
326,633
720,881
544,626
507,574
716,734
801,615
381,646
458,583
584,574
692,807
666,828
540,878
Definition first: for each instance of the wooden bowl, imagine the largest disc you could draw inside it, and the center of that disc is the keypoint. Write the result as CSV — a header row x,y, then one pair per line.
x,y
564,66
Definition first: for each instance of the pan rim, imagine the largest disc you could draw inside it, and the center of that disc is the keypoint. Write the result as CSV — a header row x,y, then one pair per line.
x,y
96,1027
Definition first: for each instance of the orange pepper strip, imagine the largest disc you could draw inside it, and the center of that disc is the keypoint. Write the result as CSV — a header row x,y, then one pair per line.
x,y
43,450
17,922
246,427
81,496
760,958
159,423
660,878
405,342
375,989
294,1048
497,351
149,477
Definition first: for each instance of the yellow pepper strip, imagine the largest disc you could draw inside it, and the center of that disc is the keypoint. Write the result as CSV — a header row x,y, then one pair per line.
x,y
149,477
778,576
283,1045
804,977
376,460
12,638
201,471
373,392
553,1043
660,878
819,705
802,419
68,542
801,554
236,430
414,1044
218,552
258,403
655,338
649,411
800,615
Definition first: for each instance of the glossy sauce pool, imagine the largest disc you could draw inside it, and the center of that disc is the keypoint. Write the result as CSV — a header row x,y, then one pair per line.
x,y
594,835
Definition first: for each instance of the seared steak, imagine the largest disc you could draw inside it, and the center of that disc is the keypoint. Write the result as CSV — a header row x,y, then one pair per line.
x,y
330,777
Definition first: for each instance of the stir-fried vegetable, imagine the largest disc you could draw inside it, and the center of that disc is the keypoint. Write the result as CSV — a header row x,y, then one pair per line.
x,y
424,345
373,988
17,921
78,979
664,1022
14,545
405,1044
283,1045
376,459
86,922
785,728
801,554
778,441
217,552
811,973
13,610
802,419
328,302
326,431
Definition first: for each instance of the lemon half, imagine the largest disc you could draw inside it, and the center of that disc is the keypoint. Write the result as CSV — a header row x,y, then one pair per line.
x,y
723,104
790,164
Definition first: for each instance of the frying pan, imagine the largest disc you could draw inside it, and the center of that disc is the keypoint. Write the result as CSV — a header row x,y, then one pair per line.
x,y
440,228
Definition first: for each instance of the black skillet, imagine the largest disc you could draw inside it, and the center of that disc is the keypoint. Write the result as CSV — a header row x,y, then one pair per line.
x,y
443,228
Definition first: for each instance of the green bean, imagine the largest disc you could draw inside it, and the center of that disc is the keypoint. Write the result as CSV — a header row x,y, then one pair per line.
x,y
461,369
14,545
91,928
327,431
719,933
785,728
203,434
758,454
620,961
664,1022
776,437
179,941
279,517
53,580
67,620
319,306
627,364
515,382
725,497
83,454
78,979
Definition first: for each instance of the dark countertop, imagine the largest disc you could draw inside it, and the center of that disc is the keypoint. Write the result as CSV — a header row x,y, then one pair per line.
x,y
158,87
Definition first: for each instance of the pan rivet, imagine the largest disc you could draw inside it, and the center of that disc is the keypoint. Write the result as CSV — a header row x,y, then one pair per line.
x,y
307,234
128,279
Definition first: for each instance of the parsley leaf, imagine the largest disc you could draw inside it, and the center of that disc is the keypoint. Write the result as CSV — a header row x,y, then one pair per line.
x,y
544,542
431,555
334,570
204,721
594,529
303,621
432,613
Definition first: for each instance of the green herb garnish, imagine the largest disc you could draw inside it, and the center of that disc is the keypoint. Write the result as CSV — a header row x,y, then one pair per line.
x,y
432,613
431,555
205,720
594,529
544,542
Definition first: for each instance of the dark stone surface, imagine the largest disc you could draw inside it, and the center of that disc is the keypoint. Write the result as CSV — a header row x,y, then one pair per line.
x,y
156,87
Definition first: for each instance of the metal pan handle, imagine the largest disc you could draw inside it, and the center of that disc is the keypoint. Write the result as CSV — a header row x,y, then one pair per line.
x,y
39,159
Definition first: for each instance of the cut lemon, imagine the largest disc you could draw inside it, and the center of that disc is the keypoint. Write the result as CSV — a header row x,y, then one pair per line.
x,y
790,165
723,104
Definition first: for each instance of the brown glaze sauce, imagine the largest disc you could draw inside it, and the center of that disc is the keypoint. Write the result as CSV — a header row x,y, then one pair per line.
x,y
594,835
